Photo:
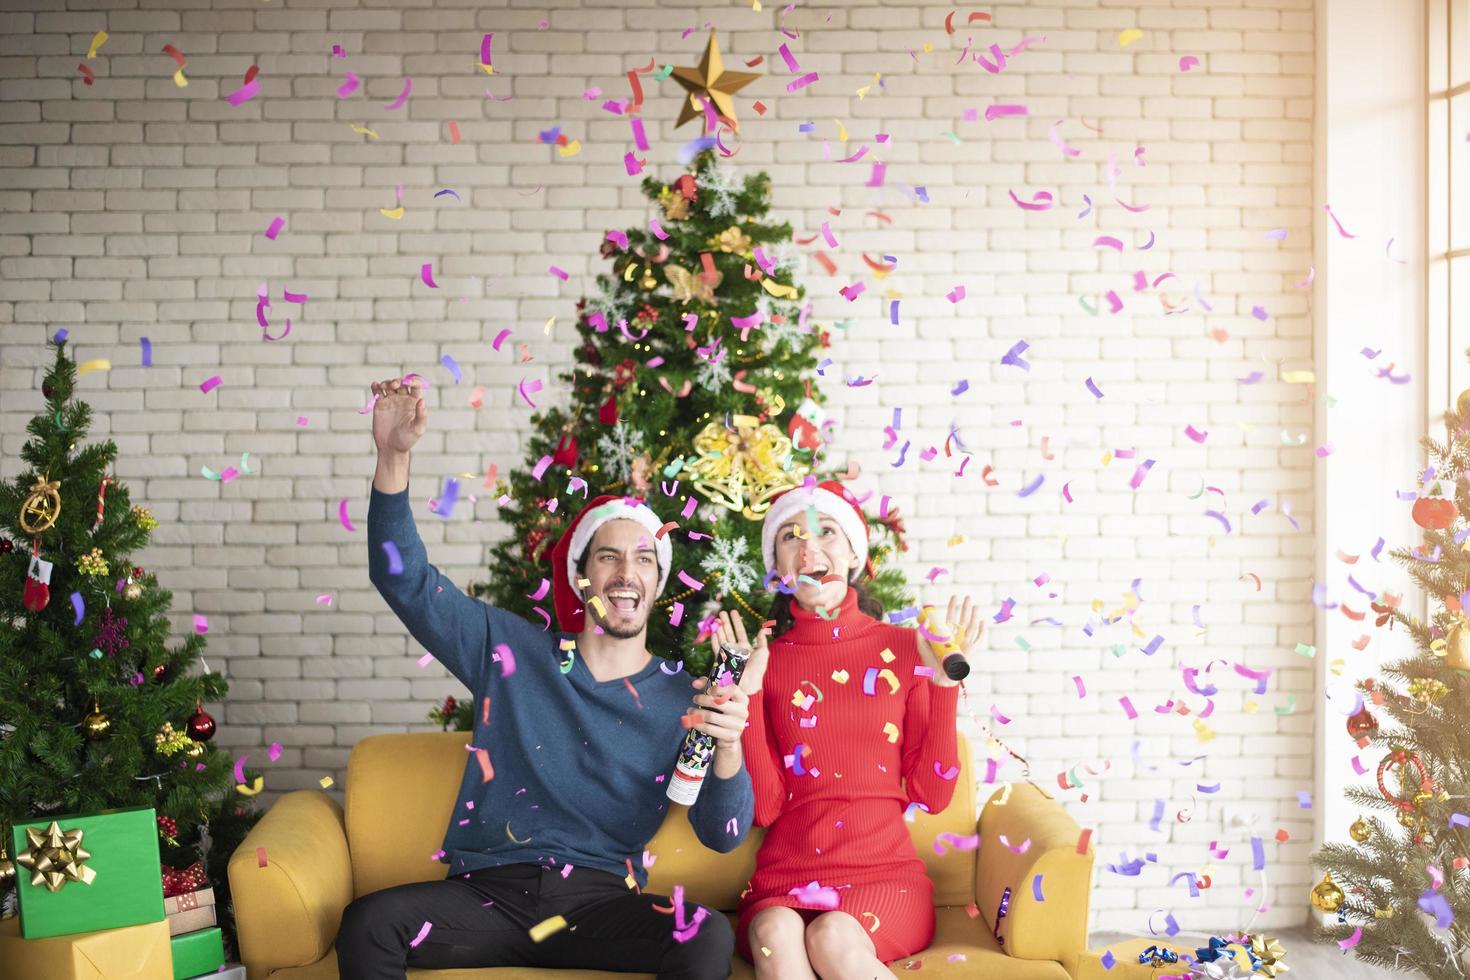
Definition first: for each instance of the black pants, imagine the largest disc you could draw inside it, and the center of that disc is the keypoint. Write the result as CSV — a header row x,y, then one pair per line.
x,y
484,919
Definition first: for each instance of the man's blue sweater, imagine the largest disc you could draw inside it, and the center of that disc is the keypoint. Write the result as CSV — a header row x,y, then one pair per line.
x,y
581,767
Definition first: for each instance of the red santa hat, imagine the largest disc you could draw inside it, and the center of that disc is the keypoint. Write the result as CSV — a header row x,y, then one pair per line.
x,y
829,497
565,596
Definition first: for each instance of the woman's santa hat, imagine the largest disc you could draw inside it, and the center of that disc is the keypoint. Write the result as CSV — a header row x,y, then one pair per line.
x,y
829,497
565,595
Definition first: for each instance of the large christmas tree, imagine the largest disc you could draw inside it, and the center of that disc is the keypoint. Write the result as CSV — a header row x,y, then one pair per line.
x,y
97,710
1400,893
693,387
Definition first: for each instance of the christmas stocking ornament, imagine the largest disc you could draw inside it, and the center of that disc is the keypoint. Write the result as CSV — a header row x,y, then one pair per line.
x,y
38,584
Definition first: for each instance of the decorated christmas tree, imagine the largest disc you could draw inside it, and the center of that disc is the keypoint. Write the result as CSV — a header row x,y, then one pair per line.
x,y
1399,896
694,387
97,710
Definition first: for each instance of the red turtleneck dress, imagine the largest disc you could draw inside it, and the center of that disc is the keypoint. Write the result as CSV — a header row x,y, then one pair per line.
x,y
836,813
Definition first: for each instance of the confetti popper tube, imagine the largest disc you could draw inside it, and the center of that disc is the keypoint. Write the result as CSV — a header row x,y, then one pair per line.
x,y
699,748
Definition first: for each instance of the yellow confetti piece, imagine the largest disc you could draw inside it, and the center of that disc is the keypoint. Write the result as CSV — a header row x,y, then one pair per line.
x,y
840,676
893,684
1203,732
99,39
841,130
1005,796
180,80
364,129
887,656
1127,37
254,788
514,838
928,47
876,921
1250,707
1298,377
777,290
489,69
395,214
546,330
1336,667
95,364
547,927
597,607
582,583
957,540
765,951
571,149
325,782
891,730
798,699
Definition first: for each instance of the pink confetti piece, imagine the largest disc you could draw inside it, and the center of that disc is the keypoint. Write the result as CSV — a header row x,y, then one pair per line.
x,y
558,273
657,229
240,769
1128,708
956,294
1351,941
342,515
1000,111
274,752
506,658
955,841
1340,229
423,934
690,583
425,660
245,93
1195,434
802,82
209,384
275,228
817,896
1040,201
1081,688
875,179
485,49
1187,62
201,624
526,389
499,339
427,274
402,96
347,87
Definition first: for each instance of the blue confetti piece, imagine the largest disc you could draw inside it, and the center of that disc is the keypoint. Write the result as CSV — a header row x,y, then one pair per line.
x,y
80,606
1258,854
449,363
447,499
1109,960
1036,889
147,346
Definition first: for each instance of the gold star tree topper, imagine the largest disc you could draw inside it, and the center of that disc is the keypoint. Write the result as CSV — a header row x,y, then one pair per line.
x,y
714,83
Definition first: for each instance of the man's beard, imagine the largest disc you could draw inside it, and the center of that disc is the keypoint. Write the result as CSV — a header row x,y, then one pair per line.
x,y
624,633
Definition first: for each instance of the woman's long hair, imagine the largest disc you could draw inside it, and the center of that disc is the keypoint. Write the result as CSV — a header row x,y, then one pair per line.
x,y
781,608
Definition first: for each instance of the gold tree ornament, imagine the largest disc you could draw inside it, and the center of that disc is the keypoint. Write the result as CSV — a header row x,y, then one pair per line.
x,y
691,285
743,467
1327,896
1457,644
1462,403
92,563
41,509
55,857
96,723
1360,830
676,206
733,241
713,83
144,517
1427,689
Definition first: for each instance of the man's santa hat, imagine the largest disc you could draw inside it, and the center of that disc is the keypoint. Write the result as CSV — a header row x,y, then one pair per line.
x,y
565,596
829,497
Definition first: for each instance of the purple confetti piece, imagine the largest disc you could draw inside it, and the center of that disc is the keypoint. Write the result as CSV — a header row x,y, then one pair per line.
x,y
1036,889
395,560
80,606
147,346
453,367
1258,854
275,228
209,384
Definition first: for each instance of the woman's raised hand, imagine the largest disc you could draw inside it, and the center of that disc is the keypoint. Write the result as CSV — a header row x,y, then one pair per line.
x,y
964,628
730,628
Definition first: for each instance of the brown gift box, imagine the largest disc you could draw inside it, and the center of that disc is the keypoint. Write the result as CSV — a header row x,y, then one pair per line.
x,y
190,911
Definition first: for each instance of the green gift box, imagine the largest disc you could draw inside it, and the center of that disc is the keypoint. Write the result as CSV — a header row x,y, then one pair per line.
x,y
198,953
86,872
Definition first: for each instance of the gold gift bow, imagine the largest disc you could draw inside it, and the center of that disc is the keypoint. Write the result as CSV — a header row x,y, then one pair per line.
x,y
55,857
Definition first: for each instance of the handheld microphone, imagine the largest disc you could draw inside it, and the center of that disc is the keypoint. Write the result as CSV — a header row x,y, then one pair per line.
x,y
956,667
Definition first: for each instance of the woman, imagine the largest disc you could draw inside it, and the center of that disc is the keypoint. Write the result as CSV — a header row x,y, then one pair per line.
x,y
851,721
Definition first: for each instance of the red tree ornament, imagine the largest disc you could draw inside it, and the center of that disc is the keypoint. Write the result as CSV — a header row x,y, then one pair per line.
x,y
1434,513
200,726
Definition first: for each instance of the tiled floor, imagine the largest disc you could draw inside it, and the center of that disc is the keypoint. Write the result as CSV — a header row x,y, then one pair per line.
x,y
1308,960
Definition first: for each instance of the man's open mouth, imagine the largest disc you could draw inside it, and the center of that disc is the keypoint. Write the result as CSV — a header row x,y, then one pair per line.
x,y
624,600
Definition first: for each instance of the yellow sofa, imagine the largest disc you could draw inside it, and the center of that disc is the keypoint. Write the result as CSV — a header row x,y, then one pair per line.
x,y
401,789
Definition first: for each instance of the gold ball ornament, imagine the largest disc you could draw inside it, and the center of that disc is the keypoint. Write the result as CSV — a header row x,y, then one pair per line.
x,y
1360,830
96,723
1462,404
41,509
132,591
1457,645
1327,896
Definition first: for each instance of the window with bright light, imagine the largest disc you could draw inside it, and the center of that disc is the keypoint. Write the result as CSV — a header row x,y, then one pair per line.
x,y
1448,152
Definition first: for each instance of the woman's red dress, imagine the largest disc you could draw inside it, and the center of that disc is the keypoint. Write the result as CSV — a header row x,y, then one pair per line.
x,y
874,737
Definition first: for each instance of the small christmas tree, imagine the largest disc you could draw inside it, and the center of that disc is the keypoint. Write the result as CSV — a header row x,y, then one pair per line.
x,y
693,387
96,710
1400,895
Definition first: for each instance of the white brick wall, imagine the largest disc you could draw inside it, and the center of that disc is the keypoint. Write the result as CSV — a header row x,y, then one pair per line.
x,y
134,208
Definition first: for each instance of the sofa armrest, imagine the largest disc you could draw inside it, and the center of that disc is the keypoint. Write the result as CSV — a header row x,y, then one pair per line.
x,y
1054,928
288,911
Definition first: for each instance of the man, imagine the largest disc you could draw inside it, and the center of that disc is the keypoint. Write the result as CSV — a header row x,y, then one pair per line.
x,y
572,748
